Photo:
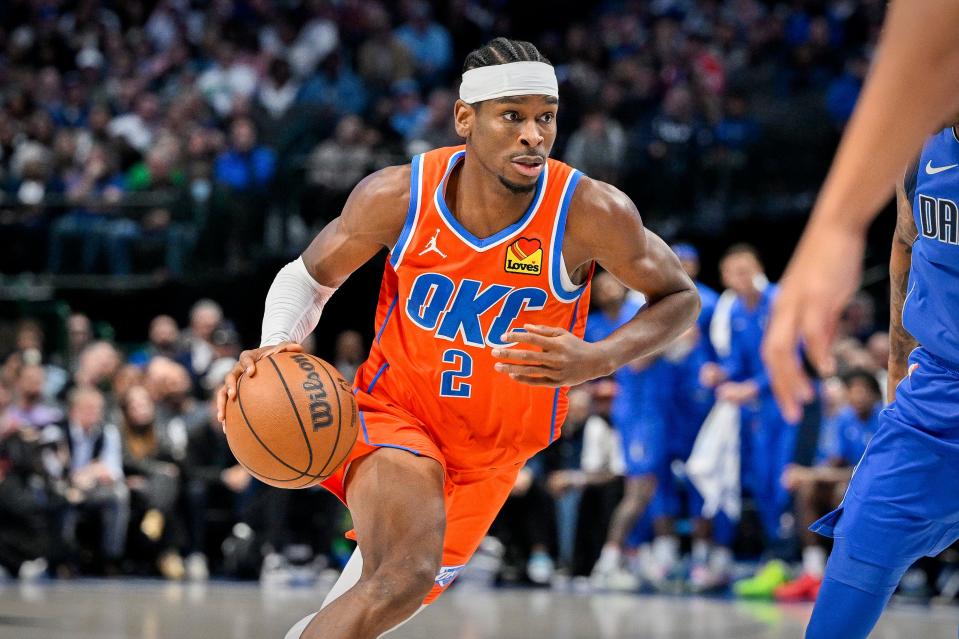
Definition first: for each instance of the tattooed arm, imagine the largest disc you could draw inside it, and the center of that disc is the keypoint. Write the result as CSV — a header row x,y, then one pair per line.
x,y
901,342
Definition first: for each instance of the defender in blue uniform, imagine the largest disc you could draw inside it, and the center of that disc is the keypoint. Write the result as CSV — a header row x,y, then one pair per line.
x,y
903,500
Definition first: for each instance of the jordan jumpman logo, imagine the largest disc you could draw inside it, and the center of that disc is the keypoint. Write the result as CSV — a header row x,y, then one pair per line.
x,y
431,246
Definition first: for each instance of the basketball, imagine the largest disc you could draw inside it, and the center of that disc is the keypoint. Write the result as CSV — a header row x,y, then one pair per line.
x,y
294,422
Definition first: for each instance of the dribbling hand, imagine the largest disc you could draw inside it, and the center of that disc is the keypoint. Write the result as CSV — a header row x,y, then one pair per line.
x,y
246,364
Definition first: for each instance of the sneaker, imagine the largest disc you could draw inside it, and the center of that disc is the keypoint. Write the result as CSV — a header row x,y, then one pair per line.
x,y
171,566
33,569
197,568
763,583
803,588
705,578
275,570
540,568
152,525
622,580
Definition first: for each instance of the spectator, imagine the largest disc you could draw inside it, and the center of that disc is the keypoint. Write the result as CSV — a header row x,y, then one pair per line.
x,y
278,90
226,352
383,58
335,88
409,114
638,417
669,152
205,316
437,129
213,480
317,39
428,42
30,504
598,147
170,385
588,453
29,410
243,173
164,341
228,79
79,335
334,167
525,525
768,441
843,91
150,466
98,364
138,128
349,353
94,189
819,489
95,471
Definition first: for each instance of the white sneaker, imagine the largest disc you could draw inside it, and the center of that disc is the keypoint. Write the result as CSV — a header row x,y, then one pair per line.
x,y
33,569
197,568
621,580
610,561
540,568
275,570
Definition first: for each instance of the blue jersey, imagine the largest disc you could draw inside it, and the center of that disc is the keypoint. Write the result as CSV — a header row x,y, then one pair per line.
x,y
598,327
709,297
929,312
845,436
748,325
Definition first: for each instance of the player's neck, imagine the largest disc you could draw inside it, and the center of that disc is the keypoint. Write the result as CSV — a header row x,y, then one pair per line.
x,y
481,202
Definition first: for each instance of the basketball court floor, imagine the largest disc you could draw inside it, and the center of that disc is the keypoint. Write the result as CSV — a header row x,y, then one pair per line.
x,y
155,610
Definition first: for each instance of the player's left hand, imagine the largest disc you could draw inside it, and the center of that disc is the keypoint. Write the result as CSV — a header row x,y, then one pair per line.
x,y
563,358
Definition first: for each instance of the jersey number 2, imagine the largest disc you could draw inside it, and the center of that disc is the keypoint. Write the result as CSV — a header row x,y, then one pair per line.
x,y
451,382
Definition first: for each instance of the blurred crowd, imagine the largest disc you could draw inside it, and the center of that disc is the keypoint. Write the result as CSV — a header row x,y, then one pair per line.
x,y
677,473
112,460
147,136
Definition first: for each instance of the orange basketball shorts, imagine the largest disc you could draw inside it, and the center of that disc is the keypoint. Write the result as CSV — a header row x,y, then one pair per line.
x,y
473,497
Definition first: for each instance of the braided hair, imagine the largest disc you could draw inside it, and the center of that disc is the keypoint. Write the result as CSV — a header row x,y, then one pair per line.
x,y
503,51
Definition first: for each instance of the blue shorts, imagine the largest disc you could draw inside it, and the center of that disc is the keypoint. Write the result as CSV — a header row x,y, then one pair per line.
x,y
644,445
903,500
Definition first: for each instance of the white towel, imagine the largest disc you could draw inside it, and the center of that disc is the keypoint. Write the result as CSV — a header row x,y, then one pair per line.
x,y
713,466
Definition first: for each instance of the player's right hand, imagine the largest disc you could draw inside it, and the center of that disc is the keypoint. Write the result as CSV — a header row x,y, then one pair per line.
x,y
247,364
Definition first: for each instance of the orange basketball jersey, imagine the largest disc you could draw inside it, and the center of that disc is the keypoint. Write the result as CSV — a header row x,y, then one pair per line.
x,y
446,300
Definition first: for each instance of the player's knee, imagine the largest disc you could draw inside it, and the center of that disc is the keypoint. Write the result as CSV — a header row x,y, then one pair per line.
x,y
640,490
404,583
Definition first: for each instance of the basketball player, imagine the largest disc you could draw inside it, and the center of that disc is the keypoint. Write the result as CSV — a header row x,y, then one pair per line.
x,y
912,89
478,331
902,503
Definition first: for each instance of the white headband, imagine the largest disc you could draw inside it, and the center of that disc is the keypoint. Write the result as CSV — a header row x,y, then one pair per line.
x,y
513,78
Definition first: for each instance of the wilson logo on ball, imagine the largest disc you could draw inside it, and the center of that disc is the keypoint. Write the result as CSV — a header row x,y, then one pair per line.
x,y
321,414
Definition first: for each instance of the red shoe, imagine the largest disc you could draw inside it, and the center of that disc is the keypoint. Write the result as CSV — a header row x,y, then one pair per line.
x,y
805,588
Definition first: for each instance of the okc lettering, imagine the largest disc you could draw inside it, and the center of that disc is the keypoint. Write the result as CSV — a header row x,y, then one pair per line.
x,y
321,414
455,313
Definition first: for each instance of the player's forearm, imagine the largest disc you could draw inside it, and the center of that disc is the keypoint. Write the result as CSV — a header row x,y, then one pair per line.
x,y
895,113
653,328
901,343
833,474
293,305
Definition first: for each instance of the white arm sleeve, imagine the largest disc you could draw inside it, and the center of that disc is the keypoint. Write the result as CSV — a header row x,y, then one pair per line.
x,y
293,305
